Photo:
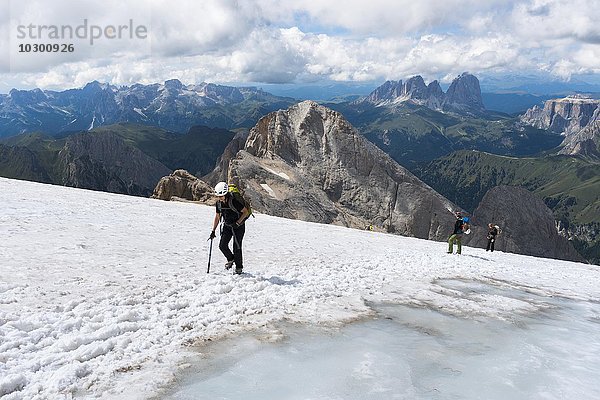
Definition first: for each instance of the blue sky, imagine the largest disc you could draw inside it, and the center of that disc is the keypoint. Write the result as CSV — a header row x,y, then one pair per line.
x,y
298,42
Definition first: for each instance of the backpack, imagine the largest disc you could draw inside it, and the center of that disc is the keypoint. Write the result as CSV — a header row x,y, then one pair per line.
x,y
235,193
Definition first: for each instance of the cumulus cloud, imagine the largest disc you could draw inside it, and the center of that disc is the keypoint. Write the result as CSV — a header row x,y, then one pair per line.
x,y
305,41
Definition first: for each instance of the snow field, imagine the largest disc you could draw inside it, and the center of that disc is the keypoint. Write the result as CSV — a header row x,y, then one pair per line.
x,y
107,296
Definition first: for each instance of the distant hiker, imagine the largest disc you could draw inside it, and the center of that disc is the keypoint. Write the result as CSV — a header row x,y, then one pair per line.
x,y
234,212
460,226
493,231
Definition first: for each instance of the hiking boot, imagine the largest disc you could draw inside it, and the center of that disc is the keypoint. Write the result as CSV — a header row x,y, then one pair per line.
x,y
228,264
238,270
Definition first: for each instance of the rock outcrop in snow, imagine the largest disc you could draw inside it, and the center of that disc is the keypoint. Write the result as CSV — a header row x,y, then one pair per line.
x,y
183,185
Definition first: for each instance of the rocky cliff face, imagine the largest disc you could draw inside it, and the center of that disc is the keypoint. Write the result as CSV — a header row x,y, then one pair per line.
x,y
309,163
103,161
463,95
585,143
528,226
564,116
575,117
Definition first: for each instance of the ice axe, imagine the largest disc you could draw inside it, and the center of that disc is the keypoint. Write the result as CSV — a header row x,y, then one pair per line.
x,y
209,255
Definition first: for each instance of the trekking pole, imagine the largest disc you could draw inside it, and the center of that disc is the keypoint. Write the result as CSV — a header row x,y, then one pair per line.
x,y
209,255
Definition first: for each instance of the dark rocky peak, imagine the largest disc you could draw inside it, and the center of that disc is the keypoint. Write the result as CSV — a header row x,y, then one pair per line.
x,y
144,94
222,165
527,225
415,88
219,93
389,90
104,161
27,97
174,84
434,89
95,87
464,93
96,98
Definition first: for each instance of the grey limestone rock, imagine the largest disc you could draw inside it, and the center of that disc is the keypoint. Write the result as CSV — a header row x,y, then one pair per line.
x,y
309,163
564,116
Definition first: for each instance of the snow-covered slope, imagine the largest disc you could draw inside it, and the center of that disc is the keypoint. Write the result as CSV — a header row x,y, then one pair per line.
x,y
104,296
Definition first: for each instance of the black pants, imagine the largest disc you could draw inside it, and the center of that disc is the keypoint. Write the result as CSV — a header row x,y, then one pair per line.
x,y
490,245
227,233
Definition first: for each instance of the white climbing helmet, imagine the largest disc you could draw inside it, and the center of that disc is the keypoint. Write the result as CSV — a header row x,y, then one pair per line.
x,y
221,189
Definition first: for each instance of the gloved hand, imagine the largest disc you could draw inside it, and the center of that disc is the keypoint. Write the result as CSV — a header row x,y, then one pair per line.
x,y
212,235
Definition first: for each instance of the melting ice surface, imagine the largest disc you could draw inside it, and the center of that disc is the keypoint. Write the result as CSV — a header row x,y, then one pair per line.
x,y
416,353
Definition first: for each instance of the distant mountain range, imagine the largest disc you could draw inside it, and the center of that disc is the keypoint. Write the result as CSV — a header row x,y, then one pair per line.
x,y
170,105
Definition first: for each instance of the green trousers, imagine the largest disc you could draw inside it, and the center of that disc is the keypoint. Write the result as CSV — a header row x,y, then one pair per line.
x,y
455,238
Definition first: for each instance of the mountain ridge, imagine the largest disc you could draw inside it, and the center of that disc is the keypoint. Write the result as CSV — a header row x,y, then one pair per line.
x,y
170,105
120,158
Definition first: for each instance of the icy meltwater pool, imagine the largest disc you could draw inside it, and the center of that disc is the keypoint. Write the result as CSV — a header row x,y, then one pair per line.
x,y
415,353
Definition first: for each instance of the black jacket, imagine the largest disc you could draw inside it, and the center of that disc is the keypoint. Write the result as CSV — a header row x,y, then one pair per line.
x,y
492,232
458,227
230,209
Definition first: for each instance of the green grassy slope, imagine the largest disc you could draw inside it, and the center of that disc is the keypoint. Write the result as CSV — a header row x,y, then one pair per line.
x,y
412,134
